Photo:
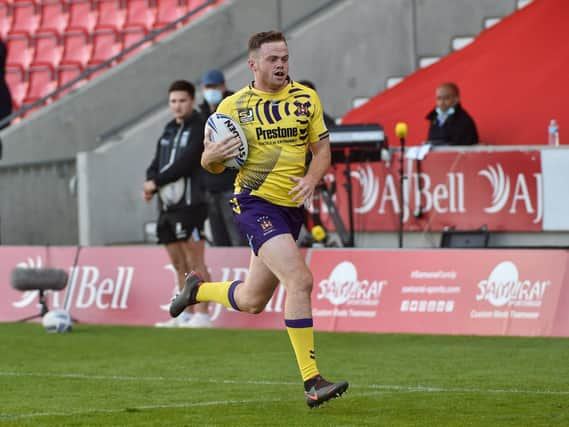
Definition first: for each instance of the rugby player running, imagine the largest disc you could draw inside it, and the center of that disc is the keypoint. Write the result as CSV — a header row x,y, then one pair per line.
x,y
281,120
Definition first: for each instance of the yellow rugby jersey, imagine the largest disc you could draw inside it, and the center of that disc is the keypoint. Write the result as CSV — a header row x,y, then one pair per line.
x,y
279,128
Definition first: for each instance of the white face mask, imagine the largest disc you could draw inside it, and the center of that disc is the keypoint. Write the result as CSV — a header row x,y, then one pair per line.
x,y
446,113
213,96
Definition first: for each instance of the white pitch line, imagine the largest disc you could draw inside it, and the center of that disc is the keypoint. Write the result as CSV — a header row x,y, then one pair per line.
x,y
384,387
151,407
135,408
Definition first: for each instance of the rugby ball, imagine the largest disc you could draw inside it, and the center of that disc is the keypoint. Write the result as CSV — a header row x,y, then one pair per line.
x,y
57,321
222,126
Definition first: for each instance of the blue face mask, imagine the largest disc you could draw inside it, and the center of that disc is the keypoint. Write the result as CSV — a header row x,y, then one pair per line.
x,y
213,96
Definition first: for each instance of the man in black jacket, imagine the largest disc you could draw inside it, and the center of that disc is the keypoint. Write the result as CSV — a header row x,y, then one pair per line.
x,y
219,188
175,174
450,124
5,96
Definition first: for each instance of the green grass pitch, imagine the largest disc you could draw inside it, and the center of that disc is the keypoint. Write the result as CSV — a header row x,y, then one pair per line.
x,y
135,376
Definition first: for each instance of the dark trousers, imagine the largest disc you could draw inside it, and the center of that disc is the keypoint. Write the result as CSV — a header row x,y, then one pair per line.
x,y
223,229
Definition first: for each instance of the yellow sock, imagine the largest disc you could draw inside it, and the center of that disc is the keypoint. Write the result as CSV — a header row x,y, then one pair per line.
x,y
221,292
301,334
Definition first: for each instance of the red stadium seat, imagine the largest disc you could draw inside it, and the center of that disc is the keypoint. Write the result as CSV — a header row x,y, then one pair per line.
x,y
15,77
19,50
41,82
140,14
194,4
97,73
66,73
109,14
105,45
168,11
81,15
5,17
48,49
54,15
76,47
51,42
24,16
130,36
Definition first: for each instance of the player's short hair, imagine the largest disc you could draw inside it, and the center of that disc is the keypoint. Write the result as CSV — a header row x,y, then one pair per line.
x,y
259,39
183,86
452,86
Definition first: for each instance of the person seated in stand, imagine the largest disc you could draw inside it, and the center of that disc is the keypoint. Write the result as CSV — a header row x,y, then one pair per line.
x,y
450,124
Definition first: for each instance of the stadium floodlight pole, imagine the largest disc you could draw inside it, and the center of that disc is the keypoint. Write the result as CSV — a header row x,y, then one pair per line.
x,y
401,132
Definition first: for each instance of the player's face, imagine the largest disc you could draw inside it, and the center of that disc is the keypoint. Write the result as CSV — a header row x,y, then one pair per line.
x,y
446,98
181,104
270,66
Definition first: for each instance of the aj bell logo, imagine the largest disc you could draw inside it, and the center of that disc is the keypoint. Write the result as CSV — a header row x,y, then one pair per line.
x,y
509,193
344,287
501,191
505,288
87,288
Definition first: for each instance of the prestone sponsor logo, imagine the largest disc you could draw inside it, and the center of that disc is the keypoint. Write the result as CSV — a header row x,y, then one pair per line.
x,y
277,133
343,287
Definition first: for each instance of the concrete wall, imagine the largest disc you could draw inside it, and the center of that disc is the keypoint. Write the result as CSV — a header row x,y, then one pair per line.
x,y
111,208
38,204
350,50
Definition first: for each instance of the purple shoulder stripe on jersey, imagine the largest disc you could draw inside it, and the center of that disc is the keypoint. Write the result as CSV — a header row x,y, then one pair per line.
x,y
299,323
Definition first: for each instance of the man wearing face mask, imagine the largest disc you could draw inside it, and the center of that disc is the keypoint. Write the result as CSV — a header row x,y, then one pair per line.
x,y
219,188
450,124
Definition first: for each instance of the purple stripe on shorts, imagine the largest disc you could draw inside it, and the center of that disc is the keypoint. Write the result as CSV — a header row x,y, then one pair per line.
x,y
299,323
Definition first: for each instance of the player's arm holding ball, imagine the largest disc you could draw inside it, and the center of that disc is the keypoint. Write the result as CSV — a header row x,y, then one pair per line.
x,y
215,153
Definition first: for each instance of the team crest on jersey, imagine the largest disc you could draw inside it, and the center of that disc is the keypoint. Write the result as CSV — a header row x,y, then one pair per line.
x,y
245,115
301,108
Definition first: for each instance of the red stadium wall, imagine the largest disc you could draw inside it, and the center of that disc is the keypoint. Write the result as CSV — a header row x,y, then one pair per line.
x,y
478,292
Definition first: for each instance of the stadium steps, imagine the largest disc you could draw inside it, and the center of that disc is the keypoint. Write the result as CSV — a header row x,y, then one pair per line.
x,y
457,43
490,22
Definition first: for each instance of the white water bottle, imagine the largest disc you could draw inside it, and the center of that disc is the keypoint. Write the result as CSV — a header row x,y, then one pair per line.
x,y
553,134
